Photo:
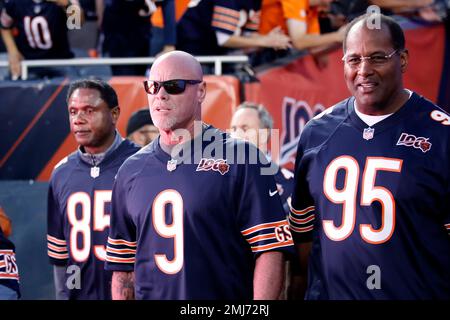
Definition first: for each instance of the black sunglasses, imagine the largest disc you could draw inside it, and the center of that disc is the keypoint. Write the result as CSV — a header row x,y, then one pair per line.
x,y
175,86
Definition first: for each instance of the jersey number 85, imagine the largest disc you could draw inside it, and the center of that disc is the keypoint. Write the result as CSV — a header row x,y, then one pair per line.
x,y
83,225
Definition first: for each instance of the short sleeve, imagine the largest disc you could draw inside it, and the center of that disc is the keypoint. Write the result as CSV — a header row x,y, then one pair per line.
x,y
225,17
261,217
295,9
302,213
56,242
121,246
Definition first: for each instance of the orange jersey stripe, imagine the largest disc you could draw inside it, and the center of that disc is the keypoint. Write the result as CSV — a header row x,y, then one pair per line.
x,y
272,246
119,260
121,241
303,221
120,251
2,264
225,18
58,249
261,237
57,255
301,230
253,26
304,211
264,226
4,275
227,11
6,251
56,240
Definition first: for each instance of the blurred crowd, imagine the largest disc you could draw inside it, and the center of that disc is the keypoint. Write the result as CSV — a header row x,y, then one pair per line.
x,y
265,30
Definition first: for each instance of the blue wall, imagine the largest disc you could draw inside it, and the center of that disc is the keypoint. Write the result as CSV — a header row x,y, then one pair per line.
x,y
25,202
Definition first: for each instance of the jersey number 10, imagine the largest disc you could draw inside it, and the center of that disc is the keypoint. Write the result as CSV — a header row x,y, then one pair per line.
x,y
38,32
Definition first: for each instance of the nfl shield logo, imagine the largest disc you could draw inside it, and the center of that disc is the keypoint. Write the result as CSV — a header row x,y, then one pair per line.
x,y
95,172
171,165
368,133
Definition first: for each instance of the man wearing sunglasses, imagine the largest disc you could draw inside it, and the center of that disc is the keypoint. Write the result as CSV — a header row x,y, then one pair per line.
x,y
193,224
372,180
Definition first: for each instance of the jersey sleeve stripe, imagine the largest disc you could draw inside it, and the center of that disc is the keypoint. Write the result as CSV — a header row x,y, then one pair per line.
x,y
58,255
226,11
120,251
225,18
302,212
119,260
263,226
251,26
6,251
57,249
272,246
301,229
56,241
302,221
122,242
224,26
4,275
261,237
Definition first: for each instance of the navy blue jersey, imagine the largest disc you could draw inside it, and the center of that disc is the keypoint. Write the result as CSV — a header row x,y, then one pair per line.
x,y
78,219
126,17
285,185
41,28
375,201
9,272
193,230
196,30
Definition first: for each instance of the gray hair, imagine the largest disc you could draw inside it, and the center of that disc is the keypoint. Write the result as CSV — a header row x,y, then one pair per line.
x,y
265,119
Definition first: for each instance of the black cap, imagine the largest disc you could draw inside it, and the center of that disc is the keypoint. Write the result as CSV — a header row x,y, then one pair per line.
x,y
138,119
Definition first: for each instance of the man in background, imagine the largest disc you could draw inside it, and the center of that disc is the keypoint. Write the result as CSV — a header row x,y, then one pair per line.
x,y
37,29
140,128
253,122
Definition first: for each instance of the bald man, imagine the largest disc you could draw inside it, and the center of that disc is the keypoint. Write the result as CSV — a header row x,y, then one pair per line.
x,y
188,222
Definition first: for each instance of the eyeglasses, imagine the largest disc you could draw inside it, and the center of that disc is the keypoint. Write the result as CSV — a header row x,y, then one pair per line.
x,y
374,59
175,86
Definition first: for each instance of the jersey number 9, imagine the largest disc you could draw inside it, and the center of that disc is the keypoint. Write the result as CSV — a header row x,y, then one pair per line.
x,y
173,230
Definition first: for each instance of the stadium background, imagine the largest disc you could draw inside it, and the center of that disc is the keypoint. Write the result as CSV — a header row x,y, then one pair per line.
x,y
35,132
